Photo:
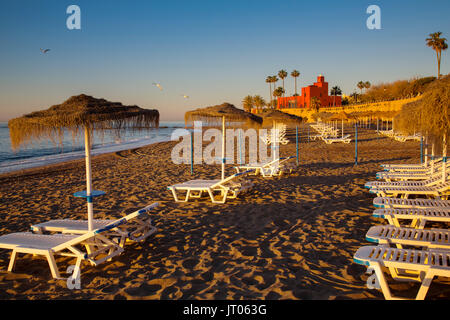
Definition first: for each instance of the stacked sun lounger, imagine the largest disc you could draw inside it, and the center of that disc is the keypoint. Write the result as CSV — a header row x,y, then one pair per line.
x,y
389,133
329,134
402,138
409,247
276,135
71,238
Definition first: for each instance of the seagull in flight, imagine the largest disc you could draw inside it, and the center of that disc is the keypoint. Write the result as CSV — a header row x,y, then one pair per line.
x,y
158,85
45,50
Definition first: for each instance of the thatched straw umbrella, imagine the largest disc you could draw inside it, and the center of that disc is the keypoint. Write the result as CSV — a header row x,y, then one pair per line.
x,y
226,112
430,114
78,113
277,116
343,116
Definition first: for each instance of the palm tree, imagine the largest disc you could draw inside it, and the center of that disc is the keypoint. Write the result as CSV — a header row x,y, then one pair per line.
x,y
438,44
282,74
361,85
335,91
274,81
295,74
354,95
248,103
367,85
269,81
259,102
315,103
278,92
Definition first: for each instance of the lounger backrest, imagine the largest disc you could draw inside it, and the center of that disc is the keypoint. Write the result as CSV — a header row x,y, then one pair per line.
x,y
127,218
221,182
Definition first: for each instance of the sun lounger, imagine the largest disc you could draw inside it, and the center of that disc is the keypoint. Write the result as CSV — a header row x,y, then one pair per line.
x,y
441,190
408,176
398,236
398,203
418,217
92,246
227,188
344,139
389,133
423,266
406,138
272,168
136,226
422,183
414,168
410,166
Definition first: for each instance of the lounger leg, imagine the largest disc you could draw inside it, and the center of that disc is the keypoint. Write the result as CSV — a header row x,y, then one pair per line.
x,y
12,261
211,195
425,286
188,193
382,281
52,265
224,194
174,194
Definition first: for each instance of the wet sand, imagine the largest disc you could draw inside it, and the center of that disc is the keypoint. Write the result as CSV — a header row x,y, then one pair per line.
x,y
291,237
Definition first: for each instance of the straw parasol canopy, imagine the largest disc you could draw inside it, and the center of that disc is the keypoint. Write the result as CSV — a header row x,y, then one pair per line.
x,y
214,114
341,116
81,112
76,113
278,116
229,114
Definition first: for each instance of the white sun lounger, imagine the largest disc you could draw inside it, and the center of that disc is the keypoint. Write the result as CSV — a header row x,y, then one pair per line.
x,y
136,226
344,139
272,168
408,176
418,217
441,190
398,203
227,188
423,266
422,183
406,138
400,236
409,166
413,168
92,246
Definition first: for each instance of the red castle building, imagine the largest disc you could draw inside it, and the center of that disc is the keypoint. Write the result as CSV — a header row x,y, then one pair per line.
x,y
318,90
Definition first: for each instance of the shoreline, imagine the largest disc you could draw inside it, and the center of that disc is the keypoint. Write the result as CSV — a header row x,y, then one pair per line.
x,y
69,164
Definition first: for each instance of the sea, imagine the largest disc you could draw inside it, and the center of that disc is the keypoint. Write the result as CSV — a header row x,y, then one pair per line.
x,y
41,153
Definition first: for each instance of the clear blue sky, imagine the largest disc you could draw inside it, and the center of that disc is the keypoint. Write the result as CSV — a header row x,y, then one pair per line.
x,y
212,50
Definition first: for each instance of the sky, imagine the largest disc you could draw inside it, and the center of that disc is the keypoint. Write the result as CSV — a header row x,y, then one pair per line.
x,y
214,51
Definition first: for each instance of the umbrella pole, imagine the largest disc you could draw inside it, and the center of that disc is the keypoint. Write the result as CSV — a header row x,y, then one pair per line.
x,y
296,141
426,149
192,152
356,143
444,160
342,128
274,138
432,158
421,150
240,146
223,148
90,205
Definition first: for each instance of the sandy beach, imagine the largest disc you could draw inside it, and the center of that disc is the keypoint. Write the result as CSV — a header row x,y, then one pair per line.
x,y
291,237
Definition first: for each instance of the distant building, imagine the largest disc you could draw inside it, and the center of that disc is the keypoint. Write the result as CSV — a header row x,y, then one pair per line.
x,y
319,90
